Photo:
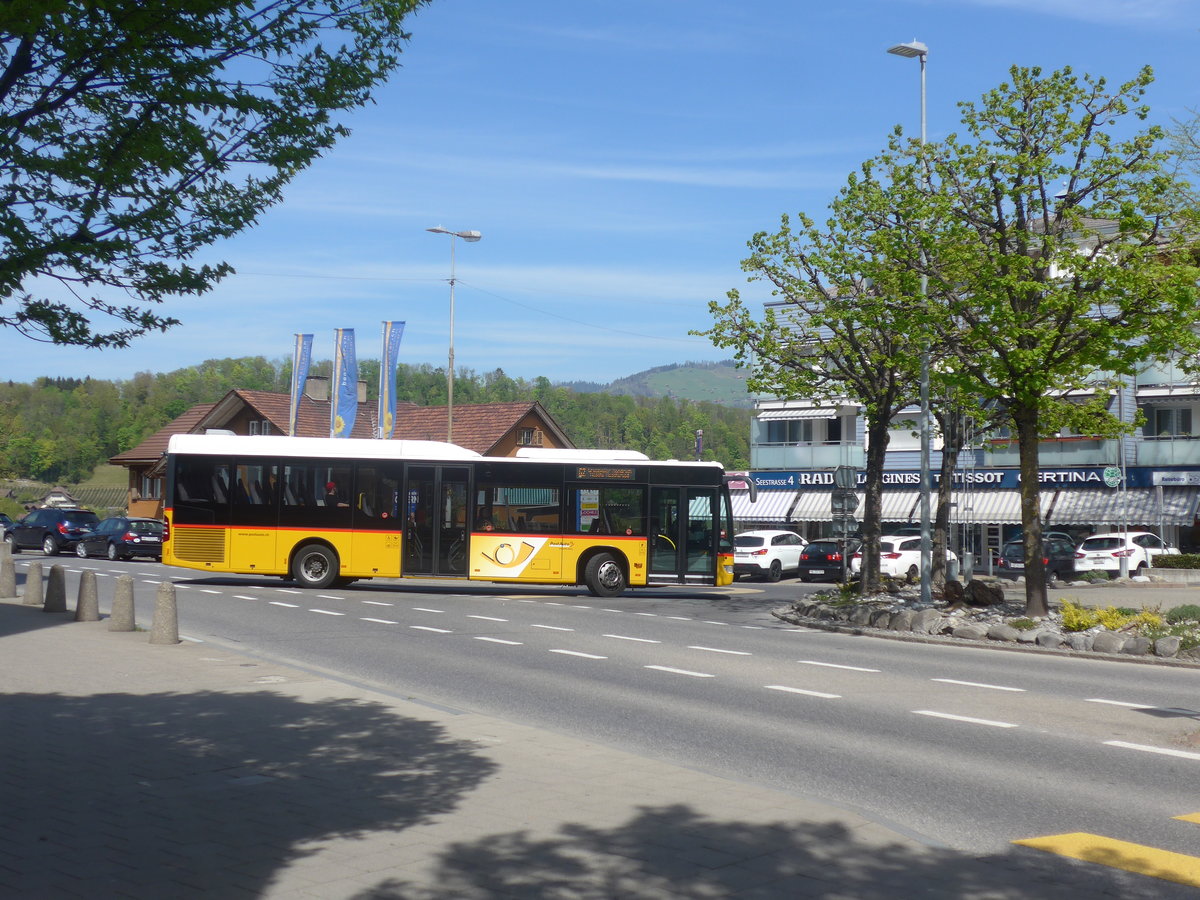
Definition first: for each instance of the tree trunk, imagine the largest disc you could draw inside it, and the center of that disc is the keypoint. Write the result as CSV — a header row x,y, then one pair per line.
x,y
1026,420
941,519
878,436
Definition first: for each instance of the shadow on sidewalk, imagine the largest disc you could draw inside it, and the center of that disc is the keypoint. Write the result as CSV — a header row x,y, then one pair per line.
x,y
673,852
207,793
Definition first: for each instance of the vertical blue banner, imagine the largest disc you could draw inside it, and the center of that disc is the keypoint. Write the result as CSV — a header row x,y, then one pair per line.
x,y
392,333
344,402
301,357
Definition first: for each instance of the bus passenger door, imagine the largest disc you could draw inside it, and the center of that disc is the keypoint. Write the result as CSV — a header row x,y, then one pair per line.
x,y
682,545
435,530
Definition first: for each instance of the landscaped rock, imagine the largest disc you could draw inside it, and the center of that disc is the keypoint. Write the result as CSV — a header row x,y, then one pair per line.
x,y
927,621
1002,632
1108,642
1028,637
901,620
860,615
1049,639
1192,653
970,632
1167,646
1080,640
980,593
880,618
1136,645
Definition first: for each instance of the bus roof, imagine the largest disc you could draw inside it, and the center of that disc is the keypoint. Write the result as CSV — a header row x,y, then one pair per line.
x,y
354,448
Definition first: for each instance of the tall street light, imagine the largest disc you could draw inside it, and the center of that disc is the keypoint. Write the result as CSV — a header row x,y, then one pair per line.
x,y
920,51
471,236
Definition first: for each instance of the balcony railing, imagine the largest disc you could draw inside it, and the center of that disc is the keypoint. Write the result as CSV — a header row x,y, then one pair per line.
x,y
1169,450
806,456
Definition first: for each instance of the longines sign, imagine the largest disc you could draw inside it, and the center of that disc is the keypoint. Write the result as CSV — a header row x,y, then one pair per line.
x,y
987,479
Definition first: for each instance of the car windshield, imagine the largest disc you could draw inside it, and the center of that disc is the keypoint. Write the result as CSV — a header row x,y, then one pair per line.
x,y
83,518
146,527
1105,543
821,547
748,540
1014,550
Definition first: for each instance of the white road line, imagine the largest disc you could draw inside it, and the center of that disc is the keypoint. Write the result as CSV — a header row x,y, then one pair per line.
x,y
813,662
1118,703
717,650
994,687
427,628
380,621
243,597
105,575
488,618
674,671
1182,754
378,603
752,627
654,615
552,627
329,597
679,618
184,637
497,641
579,606
606,609
553,603
621,637
281,603
792,690
577,653
207,591
327,612
148,581
288,591
706,622
426,609
118,571
939,715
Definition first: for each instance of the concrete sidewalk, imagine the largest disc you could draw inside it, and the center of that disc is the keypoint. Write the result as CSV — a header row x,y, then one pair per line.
x,y
150,771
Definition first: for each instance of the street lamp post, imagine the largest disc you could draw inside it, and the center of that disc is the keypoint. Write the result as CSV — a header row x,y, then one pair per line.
x,y
466,236
920,51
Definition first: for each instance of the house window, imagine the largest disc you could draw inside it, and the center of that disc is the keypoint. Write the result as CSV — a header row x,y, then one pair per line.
x,y
151,488
529,437
793,431
260,426
1171,421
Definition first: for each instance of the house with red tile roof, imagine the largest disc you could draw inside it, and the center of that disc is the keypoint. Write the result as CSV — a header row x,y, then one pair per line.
x,y
493,429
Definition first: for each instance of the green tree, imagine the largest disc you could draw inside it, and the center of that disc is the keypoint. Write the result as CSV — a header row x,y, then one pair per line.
x,y
1062,258
134,134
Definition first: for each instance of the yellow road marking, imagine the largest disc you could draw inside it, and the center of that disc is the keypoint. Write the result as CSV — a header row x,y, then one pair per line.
x,y
1137,858
1190,817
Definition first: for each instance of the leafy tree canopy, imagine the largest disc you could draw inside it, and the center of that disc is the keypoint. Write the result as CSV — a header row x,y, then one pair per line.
x,y
133,134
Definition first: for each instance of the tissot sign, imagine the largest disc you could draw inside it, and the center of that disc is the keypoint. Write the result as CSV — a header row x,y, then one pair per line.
x,y
986,479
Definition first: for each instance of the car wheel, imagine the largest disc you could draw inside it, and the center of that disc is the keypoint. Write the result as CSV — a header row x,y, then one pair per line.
x,y
49,546
775,572
1051,577
12,543
81,550
113,553
1140,570
315,566
913,575
604,576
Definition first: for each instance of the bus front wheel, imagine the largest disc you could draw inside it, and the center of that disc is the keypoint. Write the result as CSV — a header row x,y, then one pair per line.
x,y
314,566
604,576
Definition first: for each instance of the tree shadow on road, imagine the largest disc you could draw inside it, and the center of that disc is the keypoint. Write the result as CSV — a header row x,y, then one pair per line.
x,y
674,852
206,793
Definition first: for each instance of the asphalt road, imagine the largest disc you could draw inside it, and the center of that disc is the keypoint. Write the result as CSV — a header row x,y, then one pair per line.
x,y
966,747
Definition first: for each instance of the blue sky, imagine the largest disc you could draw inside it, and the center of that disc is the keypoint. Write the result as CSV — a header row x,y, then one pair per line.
x,y
616,156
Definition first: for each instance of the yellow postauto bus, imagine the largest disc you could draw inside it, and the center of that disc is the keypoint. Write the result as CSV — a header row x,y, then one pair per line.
x,y
328,512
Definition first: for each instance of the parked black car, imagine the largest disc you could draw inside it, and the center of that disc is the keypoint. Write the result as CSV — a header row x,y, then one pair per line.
x,y
52,529
826,560
123,537
1058,552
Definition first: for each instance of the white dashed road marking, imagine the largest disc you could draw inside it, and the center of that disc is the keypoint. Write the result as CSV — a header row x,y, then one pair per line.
x,y
993,687
717,650
552,627
378,603
792,690
281,603
493,640
327,612
427,628
488,618
622,637
577,653
675,671
968,719
812,662
1182,754
243,597
426,609
380,621
1118,703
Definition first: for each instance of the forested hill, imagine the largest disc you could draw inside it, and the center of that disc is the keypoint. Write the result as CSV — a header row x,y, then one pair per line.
x,y
59,429
716,382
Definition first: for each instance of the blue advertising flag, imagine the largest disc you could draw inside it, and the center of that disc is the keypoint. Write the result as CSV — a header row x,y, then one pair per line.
x,y
344,405
392,333
301,357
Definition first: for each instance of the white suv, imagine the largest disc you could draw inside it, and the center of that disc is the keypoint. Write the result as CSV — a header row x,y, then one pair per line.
x,y
899,557
1103,552
766,553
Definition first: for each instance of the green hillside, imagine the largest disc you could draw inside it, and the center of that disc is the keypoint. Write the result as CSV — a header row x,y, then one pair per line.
x,y
713,382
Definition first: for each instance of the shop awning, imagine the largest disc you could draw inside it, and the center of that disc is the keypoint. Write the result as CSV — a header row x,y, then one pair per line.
x,y
1135,506
818,412
772,506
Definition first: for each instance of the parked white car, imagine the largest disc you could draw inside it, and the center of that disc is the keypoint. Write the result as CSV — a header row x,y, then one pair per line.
x,y
899,557
767,553
1103,552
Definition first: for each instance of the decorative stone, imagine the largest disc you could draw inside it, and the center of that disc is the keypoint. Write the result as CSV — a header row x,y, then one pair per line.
x,y
980,593
56,591
1108,642
1080,640
1192,653
860,615
970,632
880,618
953,592
34,593
1028,637
927,621
1137,645
1002,632
87,604
1167,646
901,620
165,627
1049,639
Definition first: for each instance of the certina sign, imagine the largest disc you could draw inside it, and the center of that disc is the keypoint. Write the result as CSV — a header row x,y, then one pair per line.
x,y
983,479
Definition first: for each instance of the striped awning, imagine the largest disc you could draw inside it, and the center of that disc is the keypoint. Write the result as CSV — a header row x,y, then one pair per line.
x,y
771,506
817,412
1135,506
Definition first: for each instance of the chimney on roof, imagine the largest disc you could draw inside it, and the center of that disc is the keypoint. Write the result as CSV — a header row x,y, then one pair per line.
x,y
316,387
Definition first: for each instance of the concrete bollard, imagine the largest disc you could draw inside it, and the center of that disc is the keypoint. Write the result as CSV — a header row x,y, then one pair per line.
x,y
33,585
56,591
165,629
122,607
87,606
8,577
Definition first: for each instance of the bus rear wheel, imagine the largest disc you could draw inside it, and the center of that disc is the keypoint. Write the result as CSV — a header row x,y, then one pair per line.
x,y
604,576
315,566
